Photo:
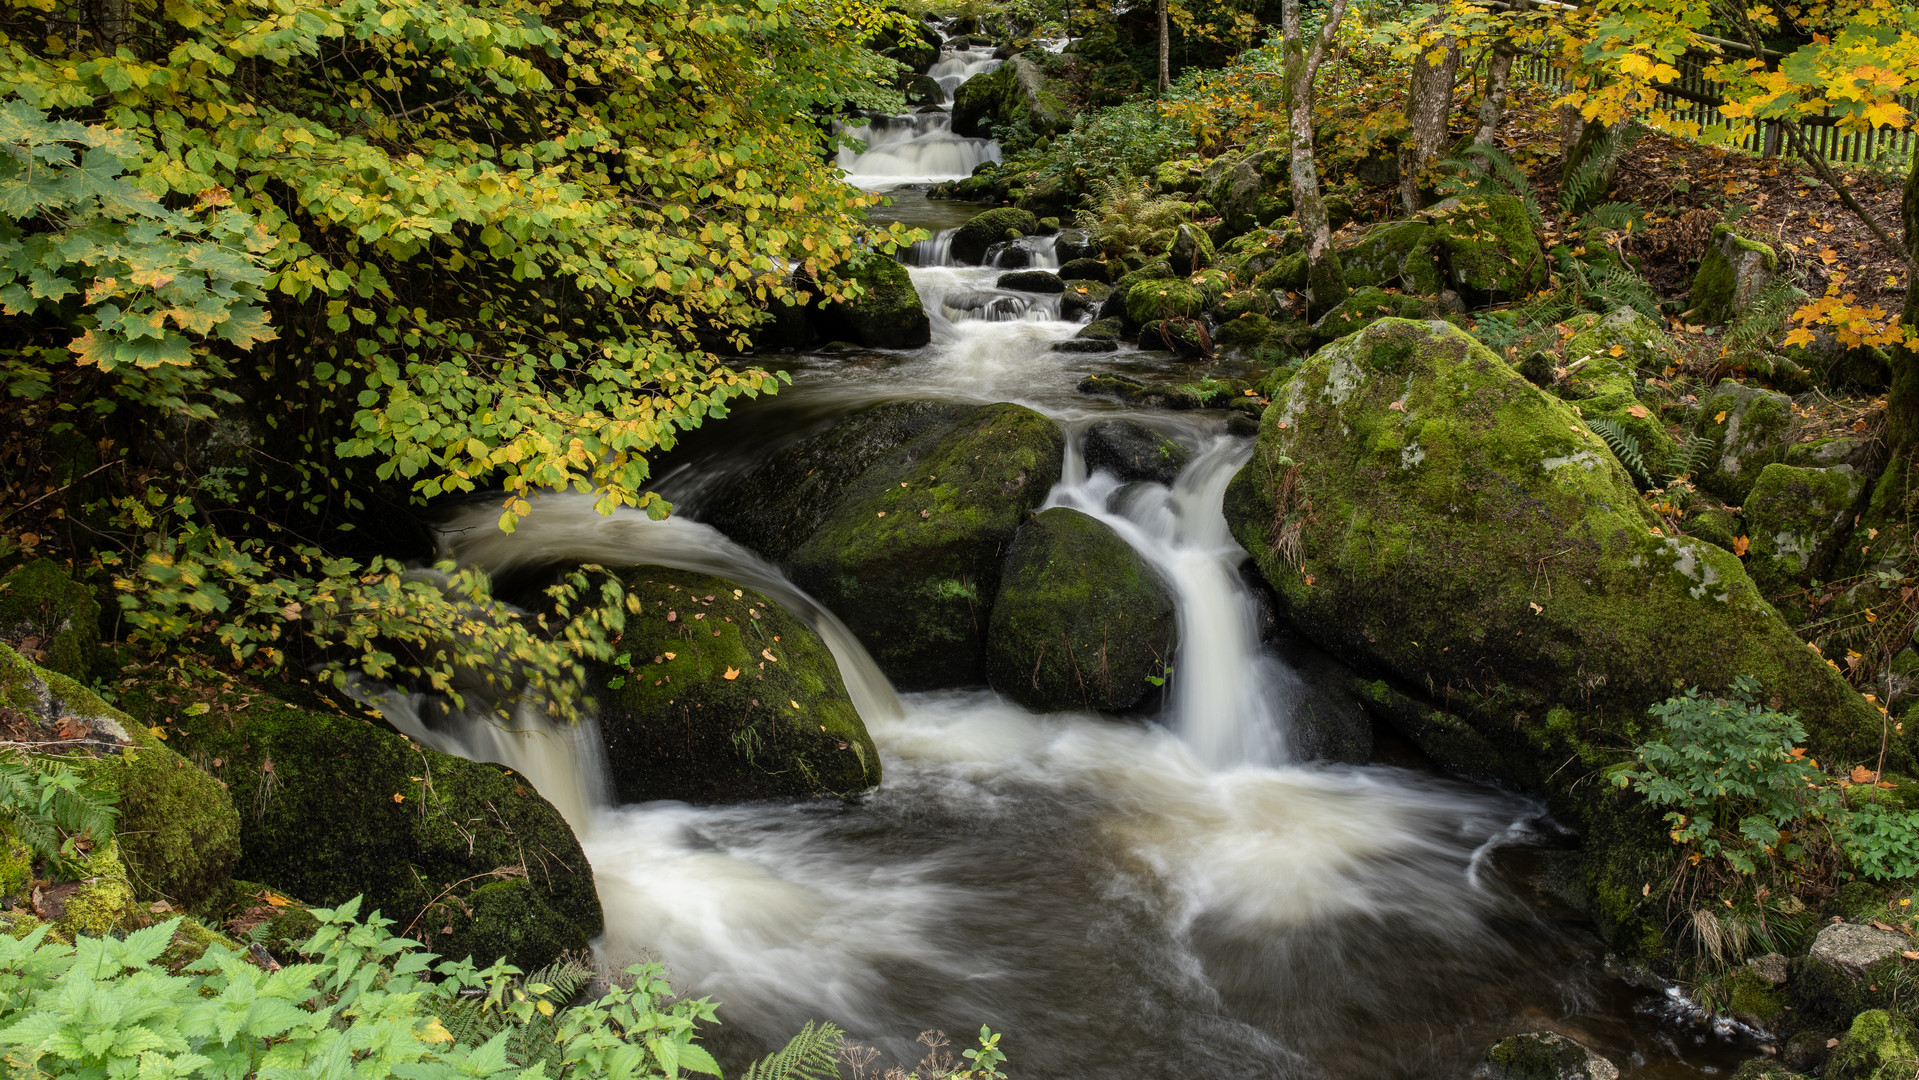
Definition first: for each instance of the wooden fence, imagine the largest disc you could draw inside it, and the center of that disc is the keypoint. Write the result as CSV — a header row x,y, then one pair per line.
x,y
1697,98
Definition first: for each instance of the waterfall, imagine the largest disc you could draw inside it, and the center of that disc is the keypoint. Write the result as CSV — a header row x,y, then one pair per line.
x,y
921,148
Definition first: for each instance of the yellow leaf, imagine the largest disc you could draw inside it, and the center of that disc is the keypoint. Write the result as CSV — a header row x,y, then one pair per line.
x,y
767,654
157,731
731,674
435,1032
397,797
1638,410
1721,418
1740,545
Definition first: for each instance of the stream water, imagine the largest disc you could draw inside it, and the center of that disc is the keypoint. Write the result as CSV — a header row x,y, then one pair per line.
x,y
1165,897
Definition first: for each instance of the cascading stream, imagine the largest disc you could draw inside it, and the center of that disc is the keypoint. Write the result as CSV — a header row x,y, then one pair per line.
x,y
921,147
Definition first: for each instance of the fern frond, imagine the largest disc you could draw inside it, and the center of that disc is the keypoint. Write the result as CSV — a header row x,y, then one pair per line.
x,y
813,1054
1616,216
1693,455
1589,176
1495,174
1615,285
1624,447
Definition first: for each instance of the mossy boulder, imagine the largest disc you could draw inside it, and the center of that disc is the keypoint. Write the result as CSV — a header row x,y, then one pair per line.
x,y
1015,93
178,832
333,807
1732,274
1599,371
725,697
971,241
1543,1055
1395,254
1798,518
1749,428
1365,306
1132,451
1246,331
1085,270
53,618
1184,338
1287,272
1879,1045
1034,281
1191,250
1491,249
1080,620
1178,177
1079,298
908,553
1426,513
1167,298
1850,967
922,90
887,314
1248,189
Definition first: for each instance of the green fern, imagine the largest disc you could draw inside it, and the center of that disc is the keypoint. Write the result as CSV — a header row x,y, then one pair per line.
x,y
1693,455
48,804
813,1054
1613,216
1486,170
533,1036
1588,178
1615,285
1749,339
1624,447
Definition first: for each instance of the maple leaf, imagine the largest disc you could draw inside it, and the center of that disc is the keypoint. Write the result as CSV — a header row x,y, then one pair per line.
x,y
1740,544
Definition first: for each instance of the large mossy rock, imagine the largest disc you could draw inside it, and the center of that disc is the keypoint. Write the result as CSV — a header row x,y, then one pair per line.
x,y
886,315
56,619
1797,519
1248,189
1543,1055
1164,298
1395,254
1879,1045
725,697
333,807
896,518
1364,306
1426,513
1080,621
1732,274
1491,249
1750,428
178,832
1601,364
973,239
1017,90
909,558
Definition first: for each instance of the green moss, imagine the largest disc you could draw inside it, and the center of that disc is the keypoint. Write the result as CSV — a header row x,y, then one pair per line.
x,y
1395,254
677,727
1713,524
1365,306
992,227
1489,246
178,830
1289,272
104,902
1080,620
1182,338
938,508
1798,518
1539,1055
1731,274
1752,999
886,315
1749,428
40,601
1600,363
1878,1046
1169,298
189,943
332,807
1247,330
504,916
1190,251
16,864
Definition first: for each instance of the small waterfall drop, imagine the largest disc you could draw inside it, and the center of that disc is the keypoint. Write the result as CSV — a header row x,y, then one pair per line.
x,y
921,147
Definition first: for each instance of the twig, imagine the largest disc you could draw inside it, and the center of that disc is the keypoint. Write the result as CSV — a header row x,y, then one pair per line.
x,y
60,489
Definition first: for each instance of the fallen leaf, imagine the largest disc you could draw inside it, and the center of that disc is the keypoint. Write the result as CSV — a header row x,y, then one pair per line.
x,y
793,703
731,674
768,654
672,616
157,731
1862,775
397,797
1740,544
1721,418
672,656
1397,406
1537,610
1638,410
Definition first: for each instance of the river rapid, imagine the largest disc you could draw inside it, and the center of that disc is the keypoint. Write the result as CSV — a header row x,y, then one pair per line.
x,y
1164,896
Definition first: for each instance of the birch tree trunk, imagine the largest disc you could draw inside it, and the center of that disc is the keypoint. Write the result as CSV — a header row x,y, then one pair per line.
x,y
1165,50
1325,281
1499,73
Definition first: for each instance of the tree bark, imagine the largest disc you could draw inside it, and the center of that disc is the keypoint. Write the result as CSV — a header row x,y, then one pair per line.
x,y
1902,401
1165,50
1325,283
1499,73
1429,110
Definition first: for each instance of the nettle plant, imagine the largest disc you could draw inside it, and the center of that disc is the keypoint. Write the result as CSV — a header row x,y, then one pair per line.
x,y
1741,789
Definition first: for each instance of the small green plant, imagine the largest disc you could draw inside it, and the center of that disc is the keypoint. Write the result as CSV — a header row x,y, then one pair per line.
x,y
1883,842
1731,772
49,805
1624,446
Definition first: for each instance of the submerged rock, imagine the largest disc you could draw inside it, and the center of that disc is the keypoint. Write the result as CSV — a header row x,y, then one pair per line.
x,y
1426,513
888,315
1543,1055
1133,451
725,697
1080,620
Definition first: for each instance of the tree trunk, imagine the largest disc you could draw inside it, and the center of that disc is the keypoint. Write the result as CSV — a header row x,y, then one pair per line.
x,y
1499,72
1325,282
1165,50
1902,402
1429,110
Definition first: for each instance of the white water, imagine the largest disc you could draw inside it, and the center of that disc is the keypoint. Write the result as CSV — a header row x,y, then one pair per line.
x,y
921,148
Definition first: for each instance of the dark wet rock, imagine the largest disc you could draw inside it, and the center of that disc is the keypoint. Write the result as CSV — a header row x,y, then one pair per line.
x,y
888,315
1133,451
1080,620
979,234
1543,1055
1036,281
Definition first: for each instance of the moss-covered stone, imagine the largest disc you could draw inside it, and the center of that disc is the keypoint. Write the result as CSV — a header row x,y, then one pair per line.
x,y
1749,428
1177,177
1732,274
1879,1045
887,315
1599,369
16,867
1245,331
1752,1000
994,226
1288,272
1365,306
1798,518
1191,250
1170,298
1715,525
1543,1055
43,610
1184,338
1035,281
908,552
1425,512
1085,270
103,901
726,697
1015,94
1490,248
1395,254
1080,620
505,918
1438,734
1247,188
1133,451
1081,297
333,807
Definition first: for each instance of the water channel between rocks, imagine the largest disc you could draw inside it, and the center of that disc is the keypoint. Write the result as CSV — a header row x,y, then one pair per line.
x,y
1174,897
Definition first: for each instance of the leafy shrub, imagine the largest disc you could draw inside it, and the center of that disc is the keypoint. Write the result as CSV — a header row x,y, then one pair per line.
x,y
1883,842
1730,771
1126,217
